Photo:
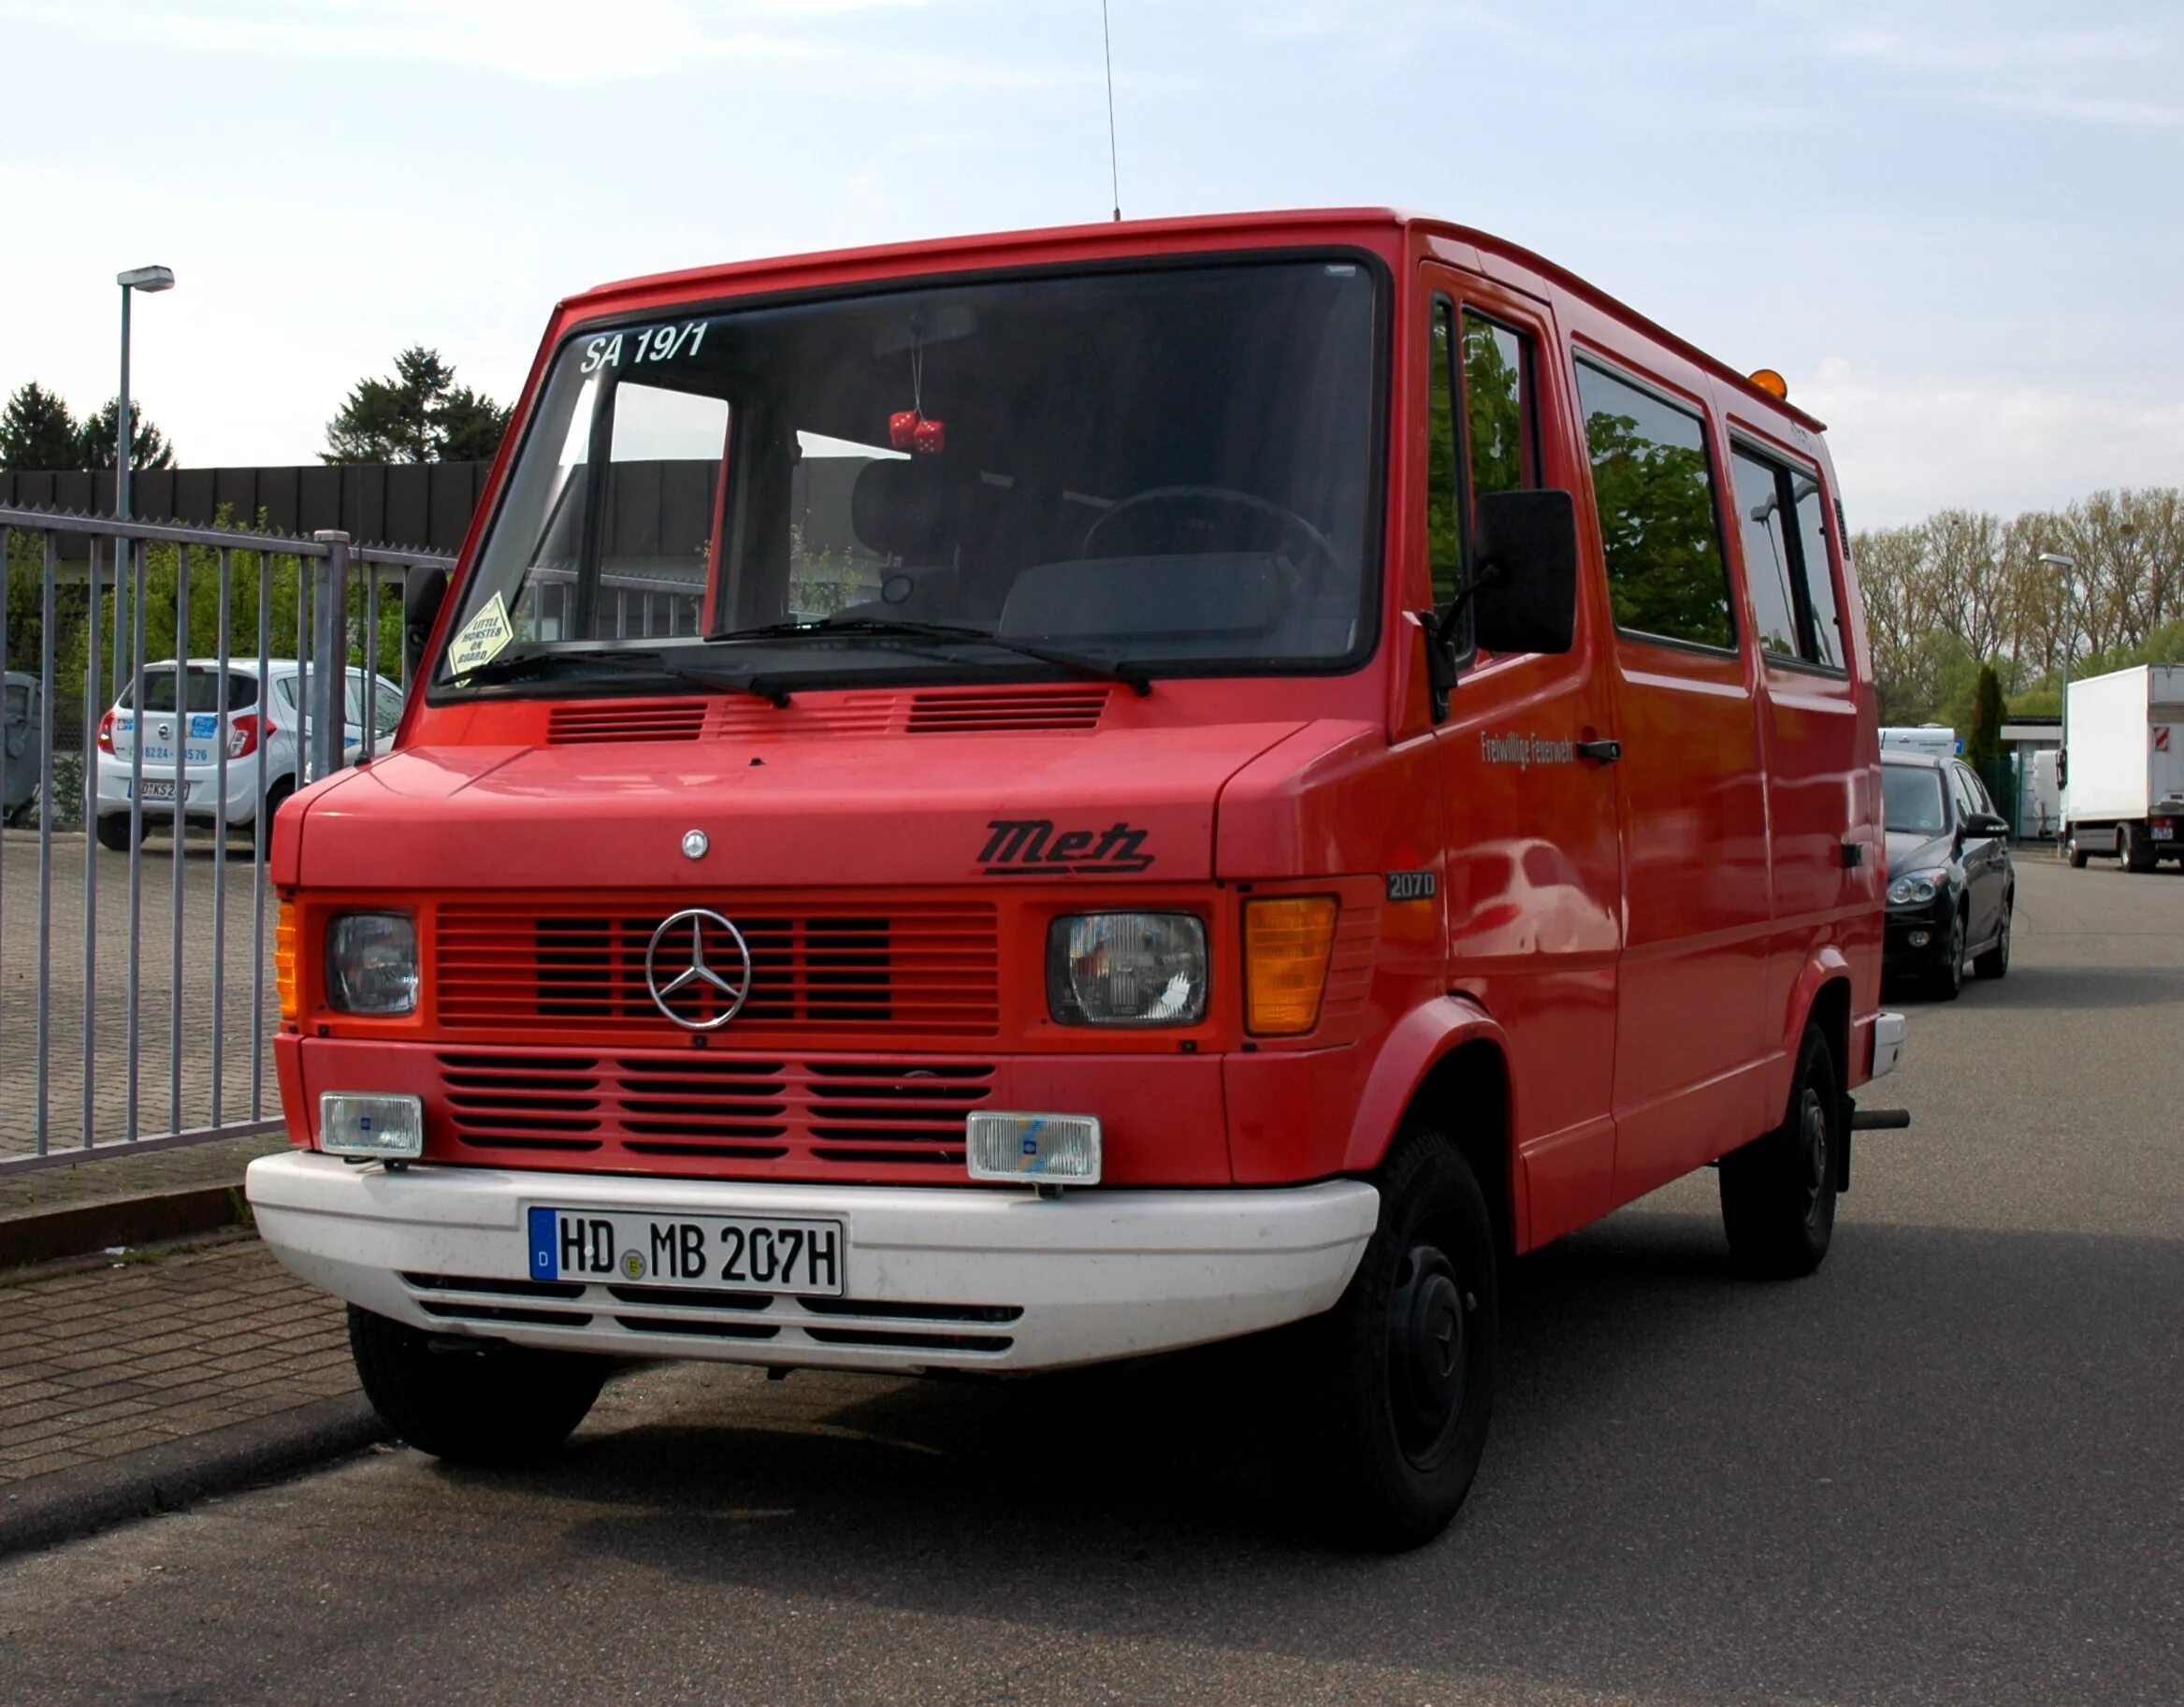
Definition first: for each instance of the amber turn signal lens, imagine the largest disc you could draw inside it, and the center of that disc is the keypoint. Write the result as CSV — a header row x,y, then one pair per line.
x,y
284,959
1287,940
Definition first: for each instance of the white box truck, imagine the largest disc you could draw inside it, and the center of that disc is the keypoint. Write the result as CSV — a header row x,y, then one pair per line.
x,y
2123,767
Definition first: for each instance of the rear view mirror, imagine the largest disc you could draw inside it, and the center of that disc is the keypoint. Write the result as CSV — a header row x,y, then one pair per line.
x,y
422,596
1978,824
1525,546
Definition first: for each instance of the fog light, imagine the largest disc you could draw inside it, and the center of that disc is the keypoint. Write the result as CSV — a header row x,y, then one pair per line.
x,y
1032,1148
388,1127
1920,938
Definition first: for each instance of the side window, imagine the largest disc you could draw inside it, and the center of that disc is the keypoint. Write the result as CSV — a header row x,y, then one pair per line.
x,y
1444,543
1654,487
1826,639
1497,407
1765,532
1962,785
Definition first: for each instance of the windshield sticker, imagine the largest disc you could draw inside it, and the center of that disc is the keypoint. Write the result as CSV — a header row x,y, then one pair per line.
x,y
482,639
649,344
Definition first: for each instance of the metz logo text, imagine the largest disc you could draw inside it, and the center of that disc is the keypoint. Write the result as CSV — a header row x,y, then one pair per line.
x,y
1024,847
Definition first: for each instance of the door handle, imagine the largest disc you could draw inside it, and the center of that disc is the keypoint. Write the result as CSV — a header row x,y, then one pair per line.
x,y
1602,752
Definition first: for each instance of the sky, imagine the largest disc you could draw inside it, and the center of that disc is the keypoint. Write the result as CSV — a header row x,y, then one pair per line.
x,y
1953,224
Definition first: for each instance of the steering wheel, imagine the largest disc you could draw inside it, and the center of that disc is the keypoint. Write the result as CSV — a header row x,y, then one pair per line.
x,y
1226,495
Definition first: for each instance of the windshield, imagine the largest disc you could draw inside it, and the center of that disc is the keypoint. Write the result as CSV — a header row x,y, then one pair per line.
x,y
1912,799
1168,468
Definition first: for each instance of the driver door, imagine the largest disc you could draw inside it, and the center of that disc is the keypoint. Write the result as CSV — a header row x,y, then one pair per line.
x,y
1533,857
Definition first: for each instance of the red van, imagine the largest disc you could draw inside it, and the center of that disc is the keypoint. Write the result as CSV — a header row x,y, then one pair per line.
x,y
1012,802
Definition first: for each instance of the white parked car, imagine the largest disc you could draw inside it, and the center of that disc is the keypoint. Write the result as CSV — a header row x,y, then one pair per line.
x,y
183,735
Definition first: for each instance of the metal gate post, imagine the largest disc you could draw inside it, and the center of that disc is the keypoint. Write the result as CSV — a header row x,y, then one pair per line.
x,y
329,662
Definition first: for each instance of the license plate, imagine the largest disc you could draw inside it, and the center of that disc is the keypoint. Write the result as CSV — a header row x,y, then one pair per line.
x,y
2164,832
157,790
706,1252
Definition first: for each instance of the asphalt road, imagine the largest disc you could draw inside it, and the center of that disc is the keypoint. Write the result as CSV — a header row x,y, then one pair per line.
x,y
1949,1469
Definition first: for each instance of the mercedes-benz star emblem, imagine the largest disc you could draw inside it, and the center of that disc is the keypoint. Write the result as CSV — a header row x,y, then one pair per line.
x,y
713,955
695,844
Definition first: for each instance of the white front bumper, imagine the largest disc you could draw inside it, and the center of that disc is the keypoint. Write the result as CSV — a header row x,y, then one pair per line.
x,y
945,1277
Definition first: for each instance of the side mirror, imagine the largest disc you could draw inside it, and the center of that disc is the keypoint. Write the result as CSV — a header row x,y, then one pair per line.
x,y
1986,824
1526,547
422,596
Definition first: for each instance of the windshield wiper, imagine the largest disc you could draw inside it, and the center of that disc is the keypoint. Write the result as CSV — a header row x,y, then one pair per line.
x,y
642,661
1132,677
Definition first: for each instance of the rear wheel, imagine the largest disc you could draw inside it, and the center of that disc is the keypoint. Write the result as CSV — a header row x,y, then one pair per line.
x,y
1778,1192
1995,963
471,1401
1398,1376
113,832
2135,849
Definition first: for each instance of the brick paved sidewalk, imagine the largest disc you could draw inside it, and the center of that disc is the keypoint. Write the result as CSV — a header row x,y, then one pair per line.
x,y
220,1162
98,1366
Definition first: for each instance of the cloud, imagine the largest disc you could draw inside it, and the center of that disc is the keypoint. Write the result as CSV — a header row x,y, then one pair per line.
x,y
549,41
1907,444
2071,74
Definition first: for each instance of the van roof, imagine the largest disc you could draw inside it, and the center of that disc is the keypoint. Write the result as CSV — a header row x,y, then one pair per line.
x,y
1172,234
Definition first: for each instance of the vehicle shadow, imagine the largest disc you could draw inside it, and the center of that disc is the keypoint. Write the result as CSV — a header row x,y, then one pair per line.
x,y
1922,1474
2057,987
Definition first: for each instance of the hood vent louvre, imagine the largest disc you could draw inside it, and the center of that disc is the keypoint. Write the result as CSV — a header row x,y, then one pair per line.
x,y
933,710
990,711
626,720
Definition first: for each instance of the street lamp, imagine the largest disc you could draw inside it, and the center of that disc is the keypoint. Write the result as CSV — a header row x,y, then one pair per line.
x,y
136,278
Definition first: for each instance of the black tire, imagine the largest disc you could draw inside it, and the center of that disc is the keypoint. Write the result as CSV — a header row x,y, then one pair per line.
x,y
261,828
471,1401
2072,851
2134,849
19,816
1778,1192
113,832
1398,1376
1995,963
1945,983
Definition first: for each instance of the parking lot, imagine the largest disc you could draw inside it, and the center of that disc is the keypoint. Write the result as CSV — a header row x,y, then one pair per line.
x,y
1948,1469
205,969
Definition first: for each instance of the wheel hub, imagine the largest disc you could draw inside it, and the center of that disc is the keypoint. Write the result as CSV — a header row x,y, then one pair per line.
x,y
1428,1353
1813,1123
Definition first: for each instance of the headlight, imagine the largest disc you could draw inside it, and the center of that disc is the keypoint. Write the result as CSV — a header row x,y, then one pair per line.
x,y
371,964
1913,886
1126,969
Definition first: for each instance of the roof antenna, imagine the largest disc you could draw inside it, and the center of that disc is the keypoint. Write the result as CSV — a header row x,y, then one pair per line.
x,y
1114,170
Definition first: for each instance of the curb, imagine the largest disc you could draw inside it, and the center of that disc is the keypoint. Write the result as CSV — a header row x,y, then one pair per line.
x,y
149,1218
167,1478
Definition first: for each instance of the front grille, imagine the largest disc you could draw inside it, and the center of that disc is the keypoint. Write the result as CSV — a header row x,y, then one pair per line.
x,y
527,968
966,1331
707,1112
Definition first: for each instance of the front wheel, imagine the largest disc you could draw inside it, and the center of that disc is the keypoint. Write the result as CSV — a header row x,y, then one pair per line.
x,y
2072,851
471,1401
1398,1376
1778,1192
1948,975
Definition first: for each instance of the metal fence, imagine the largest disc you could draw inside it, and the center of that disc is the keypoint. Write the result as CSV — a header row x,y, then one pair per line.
x,y
97,613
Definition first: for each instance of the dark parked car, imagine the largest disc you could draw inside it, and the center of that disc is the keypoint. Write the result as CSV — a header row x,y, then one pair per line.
x,y
1951,887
